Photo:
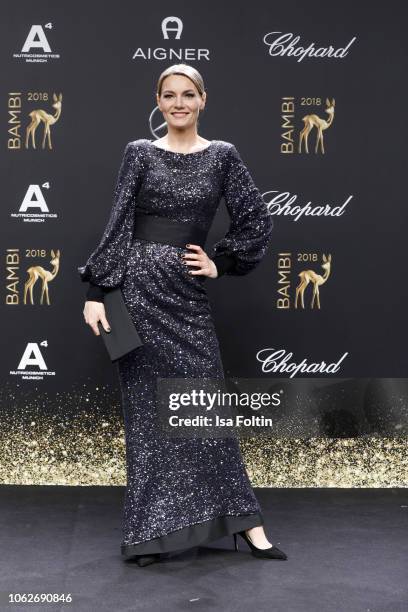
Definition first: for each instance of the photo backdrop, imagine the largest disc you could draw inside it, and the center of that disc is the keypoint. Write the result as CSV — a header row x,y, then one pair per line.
x,y
313,97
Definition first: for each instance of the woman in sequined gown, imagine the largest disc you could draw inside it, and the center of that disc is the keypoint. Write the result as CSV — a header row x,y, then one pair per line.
x,y
180,492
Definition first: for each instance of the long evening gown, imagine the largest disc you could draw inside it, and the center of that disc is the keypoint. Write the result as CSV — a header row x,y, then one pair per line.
x,y
180,492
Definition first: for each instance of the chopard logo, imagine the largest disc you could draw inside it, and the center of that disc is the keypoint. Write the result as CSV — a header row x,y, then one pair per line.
x,y
287,45
283,205
279,361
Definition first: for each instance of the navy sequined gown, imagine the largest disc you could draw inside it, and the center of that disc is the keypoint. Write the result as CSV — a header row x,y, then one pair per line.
x,y
180,492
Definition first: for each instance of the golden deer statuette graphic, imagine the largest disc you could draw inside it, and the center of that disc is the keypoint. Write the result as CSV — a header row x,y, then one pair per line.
x,y
39,115
319,123
310,275
36,272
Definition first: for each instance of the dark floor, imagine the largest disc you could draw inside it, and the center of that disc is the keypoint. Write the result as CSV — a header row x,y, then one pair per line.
x,y
347,552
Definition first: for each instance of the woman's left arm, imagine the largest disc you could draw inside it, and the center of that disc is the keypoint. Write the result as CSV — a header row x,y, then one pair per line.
x,y
246,242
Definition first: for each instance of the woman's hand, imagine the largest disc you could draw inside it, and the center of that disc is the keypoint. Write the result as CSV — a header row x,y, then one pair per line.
x,y
94,312
203,265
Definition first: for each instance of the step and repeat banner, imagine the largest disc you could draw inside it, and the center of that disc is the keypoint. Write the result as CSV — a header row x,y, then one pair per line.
x,y
313,99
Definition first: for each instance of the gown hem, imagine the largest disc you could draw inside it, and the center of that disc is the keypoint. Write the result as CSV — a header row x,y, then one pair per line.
x,y
194,535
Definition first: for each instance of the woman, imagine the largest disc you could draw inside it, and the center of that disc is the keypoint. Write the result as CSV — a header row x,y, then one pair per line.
x,y
180,493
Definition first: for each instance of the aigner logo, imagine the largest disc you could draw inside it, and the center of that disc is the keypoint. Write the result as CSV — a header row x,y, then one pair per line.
x,y
174,27
316,123
37,40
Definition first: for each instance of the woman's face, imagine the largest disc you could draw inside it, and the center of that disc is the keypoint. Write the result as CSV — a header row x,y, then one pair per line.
x,y
180,102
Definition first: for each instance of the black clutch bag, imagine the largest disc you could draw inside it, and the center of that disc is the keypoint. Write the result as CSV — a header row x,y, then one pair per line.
x,y
123,336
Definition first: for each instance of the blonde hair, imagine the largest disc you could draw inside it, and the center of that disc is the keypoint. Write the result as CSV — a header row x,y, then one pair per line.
x,y
188,71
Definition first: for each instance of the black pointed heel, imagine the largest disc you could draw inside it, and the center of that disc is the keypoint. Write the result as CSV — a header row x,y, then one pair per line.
x,y
262,553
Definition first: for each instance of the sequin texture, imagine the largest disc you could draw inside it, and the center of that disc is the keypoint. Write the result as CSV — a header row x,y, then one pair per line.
x,y
175,484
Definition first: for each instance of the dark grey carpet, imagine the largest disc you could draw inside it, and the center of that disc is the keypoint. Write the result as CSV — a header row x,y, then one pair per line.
x,y
347,552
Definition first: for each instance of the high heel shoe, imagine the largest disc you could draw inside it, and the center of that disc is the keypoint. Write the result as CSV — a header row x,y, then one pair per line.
x,y
273,552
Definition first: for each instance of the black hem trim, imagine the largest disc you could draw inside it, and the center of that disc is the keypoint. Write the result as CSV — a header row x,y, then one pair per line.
x,y
194,535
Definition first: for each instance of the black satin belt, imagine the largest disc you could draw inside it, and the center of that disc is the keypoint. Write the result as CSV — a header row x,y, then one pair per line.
x,y
168,231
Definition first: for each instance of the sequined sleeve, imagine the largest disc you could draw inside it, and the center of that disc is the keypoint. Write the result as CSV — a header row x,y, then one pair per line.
x,y
246,242
106,266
